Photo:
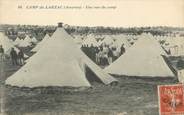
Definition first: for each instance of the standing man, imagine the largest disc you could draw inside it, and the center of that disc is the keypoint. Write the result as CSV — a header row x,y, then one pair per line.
x,y
110,55
1,53
21,57
13,55
115,54
122,50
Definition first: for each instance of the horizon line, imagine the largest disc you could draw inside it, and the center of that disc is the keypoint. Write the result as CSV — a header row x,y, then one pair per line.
x,y
144,26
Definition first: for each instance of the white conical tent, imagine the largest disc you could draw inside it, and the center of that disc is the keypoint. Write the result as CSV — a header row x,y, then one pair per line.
x,y
64,67
17,41
170,45
90,41
175,45
144,58
121,39
133,39
99,42
39,45
108,40
26,42
7,44
34,40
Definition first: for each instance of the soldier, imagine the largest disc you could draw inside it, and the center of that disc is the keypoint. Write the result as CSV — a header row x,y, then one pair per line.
x,y
21,57
122,51
1,53
110,55
13,55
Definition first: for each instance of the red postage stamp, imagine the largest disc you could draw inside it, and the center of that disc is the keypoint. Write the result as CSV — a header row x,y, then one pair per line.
x,y
171,99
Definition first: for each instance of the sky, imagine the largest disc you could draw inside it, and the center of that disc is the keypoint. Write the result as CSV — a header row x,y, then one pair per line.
x,y
127,13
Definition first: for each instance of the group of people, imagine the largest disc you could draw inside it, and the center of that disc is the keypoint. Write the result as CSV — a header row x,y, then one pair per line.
x,y
16,58
104,54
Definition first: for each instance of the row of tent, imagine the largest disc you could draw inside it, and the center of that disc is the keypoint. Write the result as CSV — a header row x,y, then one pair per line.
x,y
175,45
172,44
44,69
111,40
144,58
27,41
8,44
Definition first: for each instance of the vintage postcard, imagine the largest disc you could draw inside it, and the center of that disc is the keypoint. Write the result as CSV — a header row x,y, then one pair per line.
x,y
91,57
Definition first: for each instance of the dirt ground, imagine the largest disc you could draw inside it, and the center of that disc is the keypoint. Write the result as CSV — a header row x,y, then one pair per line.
x,y
132,96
